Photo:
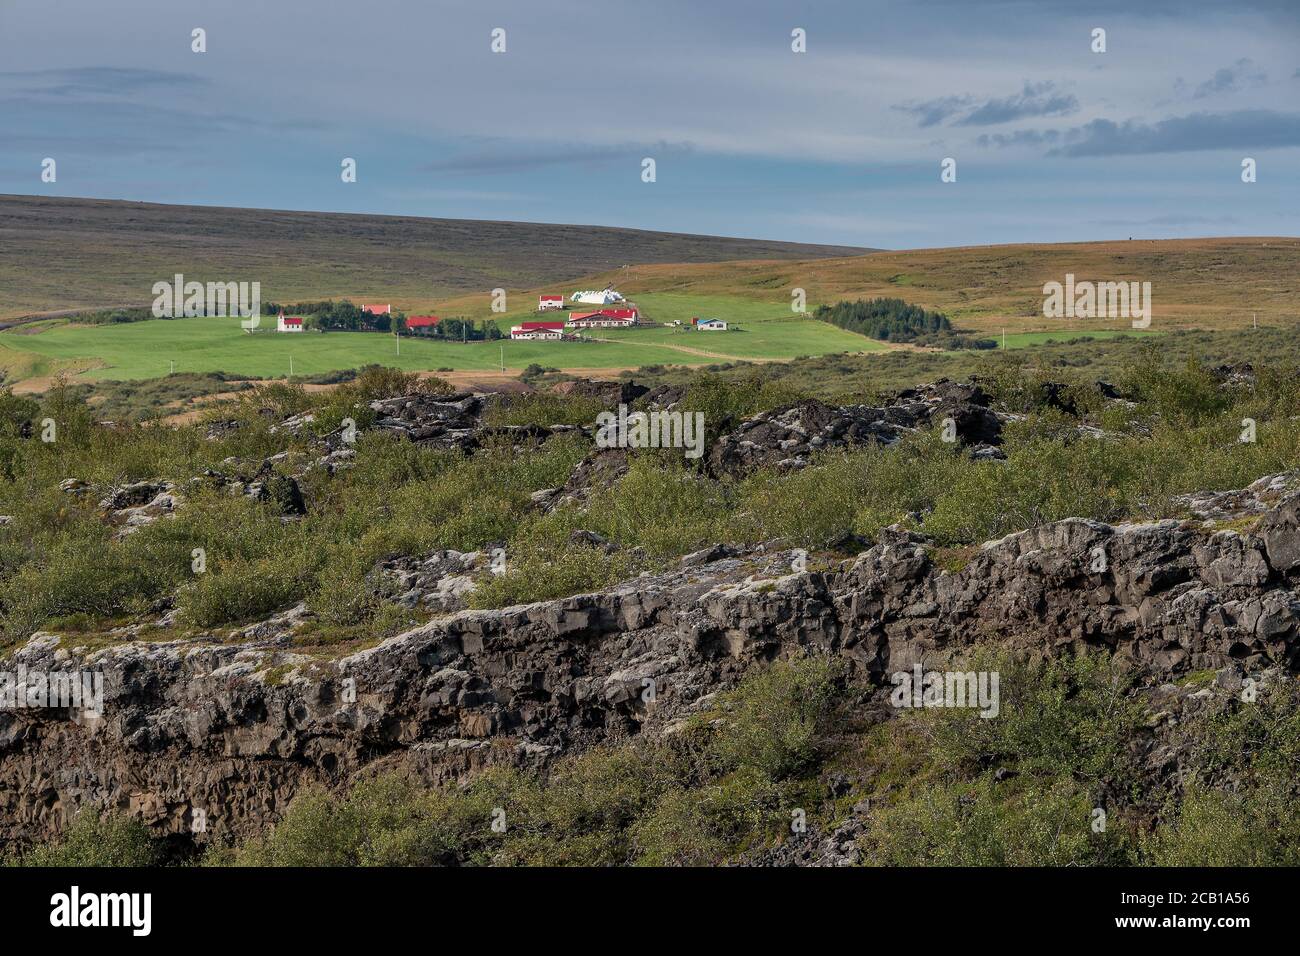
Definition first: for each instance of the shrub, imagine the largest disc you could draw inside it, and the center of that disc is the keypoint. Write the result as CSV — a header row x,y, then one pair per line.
x,y
542,574
242,590
776,721
985,823
1057,717
95,840
1212,828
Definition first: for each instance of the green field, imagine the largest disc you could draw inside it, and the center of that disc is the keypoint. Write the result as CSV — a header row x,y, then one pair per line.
x,y
148,349
140,350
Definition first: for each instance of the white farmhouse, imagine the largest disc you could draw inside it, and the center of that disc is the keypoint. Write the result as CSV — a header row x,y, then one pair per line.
x,y
538,331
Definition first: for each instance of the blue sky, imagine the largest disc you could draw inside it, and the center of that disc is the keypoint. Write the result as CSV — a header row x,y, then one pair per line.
x,y
840,144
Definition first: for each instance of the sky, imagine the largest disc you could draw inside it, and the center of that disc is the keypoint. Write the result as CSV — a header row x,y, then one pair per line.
x,y
842,143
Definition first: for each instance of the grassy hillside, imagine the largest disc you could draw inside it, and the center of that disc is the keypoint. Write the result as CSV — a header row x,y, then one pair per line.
x,y
59,254
1196,283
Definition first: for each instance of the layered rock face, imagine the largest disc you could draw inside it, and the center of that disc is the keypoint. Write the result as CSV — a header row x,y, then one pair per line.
x,y
226,733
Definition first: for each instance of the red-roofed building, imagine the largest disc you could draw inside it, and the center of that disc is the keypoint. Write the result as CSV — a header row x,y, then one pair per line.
x,y
602,318
378,309
547,302
538,330
288,323
421,323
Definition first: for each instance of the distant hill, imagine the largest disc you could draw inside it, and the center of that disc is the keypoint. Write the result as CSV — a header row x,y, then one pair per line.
x,y
58,254
1213,283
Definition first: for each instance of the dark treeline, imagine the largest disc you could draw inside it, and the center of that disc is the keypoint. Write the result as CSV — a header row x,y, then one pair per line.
x,y
331,316
114,316
893,320
890,320
456,329
335,316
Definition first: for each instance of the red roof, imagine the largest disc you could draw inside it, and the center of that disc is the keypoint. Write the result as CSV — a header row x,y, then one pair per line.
x,y
551,298
604,314
291,319
421,321
541,326
377,309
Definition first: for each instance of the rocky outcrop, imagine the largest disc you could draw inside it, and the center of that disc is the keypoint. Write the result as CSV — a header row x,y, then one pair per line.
x,y
235,726
437,582
132,506
786,437
609,394
601,469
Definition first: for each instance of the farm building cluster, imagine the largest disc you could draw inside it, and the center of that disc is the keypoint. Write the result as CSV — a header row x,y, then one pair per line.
x,y
598,319
603,318
611,311
615,313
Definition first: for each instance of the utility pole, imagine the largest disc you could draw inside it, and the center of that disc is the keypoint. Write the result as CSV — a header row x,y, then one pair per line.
x,y
1254,316
291,366
1004,338
503,357
173,366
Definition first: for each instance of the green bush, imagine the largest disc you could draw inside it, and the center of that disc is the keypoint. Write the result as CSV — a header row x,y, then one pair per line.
x,y
241,590
1213,828
986,823
775,723
95,840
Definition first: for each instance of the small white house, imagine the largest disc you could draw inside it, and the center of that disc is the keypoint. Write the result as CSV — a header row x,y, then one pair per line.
x,y
711,325
288,323
545,303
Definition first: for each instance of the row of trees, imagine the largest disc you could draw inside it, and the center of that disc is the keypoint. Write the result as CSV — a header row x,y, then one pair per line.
x,y
893,320
456,329
331,316
890,320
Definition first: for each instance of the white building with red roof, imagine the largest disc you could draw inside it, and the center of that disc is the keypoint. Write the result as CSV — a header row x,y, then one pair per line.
x,y
538,331
602,319
288,323
545,303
